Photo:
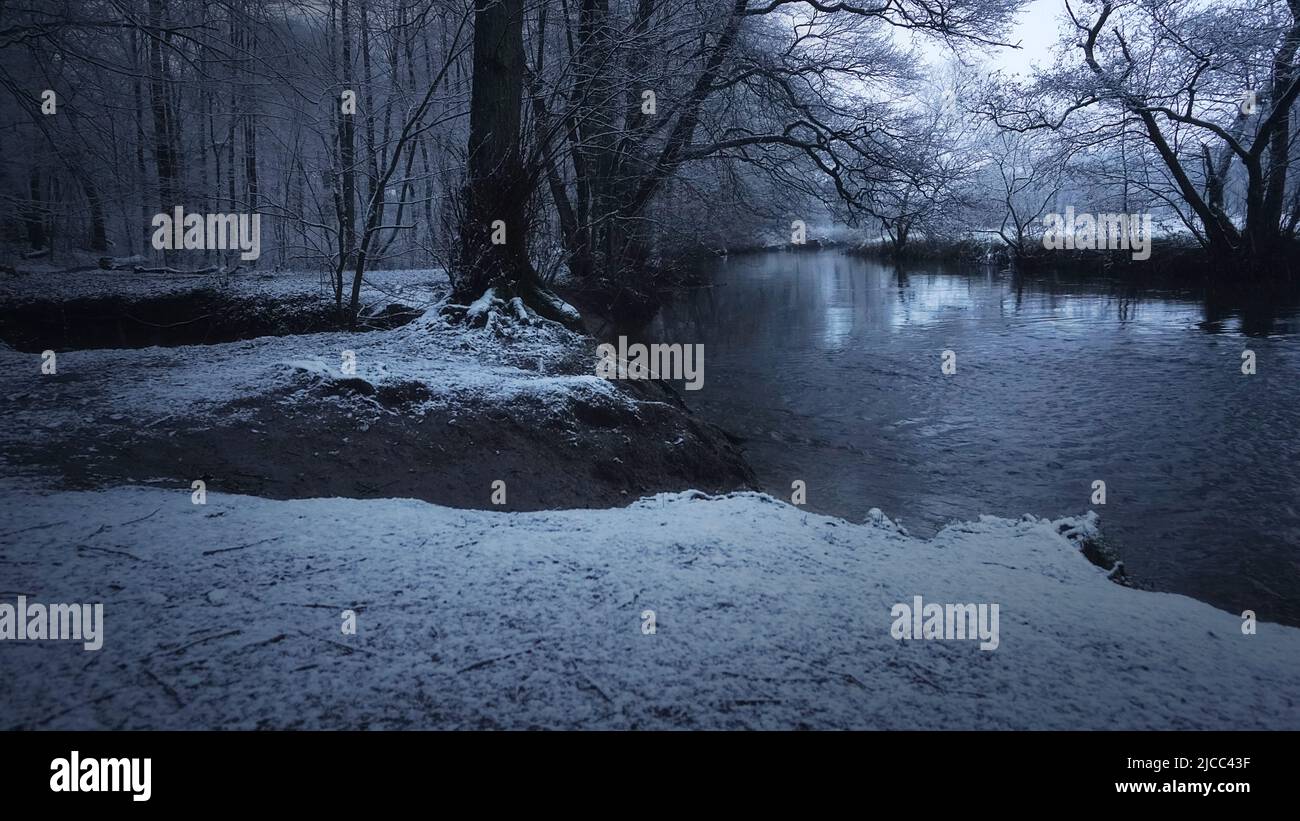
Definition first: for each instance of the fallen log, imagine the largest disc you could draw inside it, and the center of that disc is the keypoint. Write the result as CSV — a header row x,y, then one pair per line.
x,y
117,263
198,272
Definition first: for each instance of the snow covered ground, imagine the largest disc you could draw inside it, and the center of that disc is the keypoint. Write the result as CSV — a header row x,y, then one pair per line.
x,y
229,614
119,391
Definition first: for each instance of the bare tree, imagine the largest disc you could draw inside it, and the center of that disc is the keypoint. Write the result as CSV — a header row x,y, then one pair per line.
x,y
1210,89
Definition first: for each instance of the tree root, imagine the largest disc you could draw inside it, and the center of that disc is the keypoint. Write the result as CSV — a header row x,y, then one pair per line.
x,y
501,307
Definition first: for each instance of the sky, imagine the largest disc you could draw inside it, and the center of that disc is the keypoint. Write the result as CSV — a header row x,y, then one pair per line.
x,y
1035,31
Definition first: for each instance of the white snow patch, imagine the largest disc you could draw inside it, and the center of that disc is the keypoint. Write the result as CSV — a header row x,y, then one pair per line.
x,y
112,389
229,614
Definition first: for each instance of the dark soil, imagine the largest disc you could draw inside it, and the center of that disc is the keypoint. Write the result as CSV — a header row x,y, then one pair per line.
x,y
349,439
198,317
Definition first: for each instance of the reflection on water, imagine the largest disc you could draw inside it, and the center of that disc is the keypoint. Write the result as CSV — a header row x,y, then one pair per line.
x,y
829,367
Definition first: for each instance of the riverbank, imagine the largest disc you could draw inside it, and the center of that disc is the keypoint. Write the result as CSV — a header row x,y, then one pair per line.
x,y
231,615
424,410
355,476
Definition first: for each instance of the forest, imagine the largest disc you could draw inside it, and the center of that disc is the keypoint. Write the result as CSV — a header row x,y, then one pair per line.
x,y
611,140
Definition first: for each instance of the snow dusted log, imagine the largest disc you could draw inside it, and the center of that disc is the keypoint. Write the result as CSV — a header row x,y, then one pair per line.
x,y
132,264
198,272
37,254
118,263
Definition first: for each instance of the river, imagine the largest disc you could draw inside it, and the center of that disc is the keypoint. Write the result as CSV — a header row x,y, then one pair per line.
x,y
829,367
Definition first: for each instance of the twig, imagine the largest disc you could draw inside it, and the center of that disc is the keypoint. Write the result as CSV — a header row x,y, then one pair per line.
x,y
141,519
109,550
349,648
276,639
594,685
52,716
33,527
488,662
184,647
240,547
168,325
166,687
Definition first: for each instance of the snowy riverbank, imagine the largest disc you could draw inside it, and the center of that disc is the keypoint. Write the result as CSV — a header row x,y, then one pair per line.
x,y
350,471
428,410
228,615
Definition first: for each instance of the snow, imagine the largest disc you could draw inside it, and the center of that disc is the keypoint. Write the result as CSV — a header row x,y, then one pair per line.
x,y
109,389
228,615
479,308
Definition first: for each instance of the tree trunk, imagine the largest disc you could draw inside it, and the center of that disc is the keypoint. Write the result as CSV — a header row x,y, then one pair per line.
x,y
497,191
347,145
164,127
34,214
98,230
251,186
164,139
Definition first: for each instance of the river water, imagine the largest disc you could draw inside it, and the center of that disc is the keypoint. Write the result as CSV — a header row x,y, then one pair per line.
x,y
829,367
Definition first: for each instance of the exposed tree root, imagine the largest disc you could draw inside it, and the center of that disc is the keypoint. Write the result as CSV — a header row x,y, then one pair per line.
x,y
501,306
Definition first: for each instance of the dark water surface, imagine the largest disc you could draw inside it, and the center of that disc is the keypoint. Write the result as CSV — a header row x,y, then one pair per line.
x,y
829,367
